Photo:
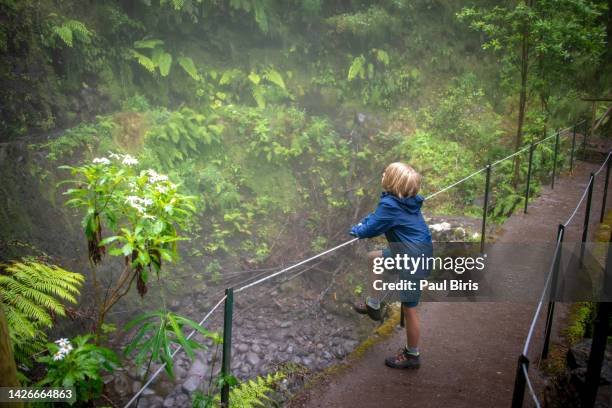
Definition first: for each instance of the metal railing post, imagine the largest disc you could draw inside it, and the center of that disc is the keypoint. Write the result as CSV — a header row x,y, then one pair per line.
x,y
531,148
587,216
518,395
596,355
605,192
552,183
227,345
550,314
485,208
573,147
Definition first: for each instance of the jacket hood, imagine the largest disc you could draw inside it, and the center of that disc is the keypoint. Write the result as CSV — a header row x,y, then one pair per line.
x,y
410,204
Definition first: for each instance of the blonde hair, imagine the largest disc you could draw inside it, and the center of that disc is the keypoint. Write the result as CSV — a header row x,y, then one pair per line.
x,y
401,180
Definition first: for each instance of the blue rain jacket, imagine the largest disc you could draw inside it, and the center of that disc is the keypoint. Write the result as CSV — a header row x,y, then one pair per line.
x,y
400,219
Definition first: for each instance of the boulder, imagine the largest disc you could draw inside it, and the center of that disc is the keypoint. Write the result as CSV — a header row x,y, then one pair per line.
x,y
253,359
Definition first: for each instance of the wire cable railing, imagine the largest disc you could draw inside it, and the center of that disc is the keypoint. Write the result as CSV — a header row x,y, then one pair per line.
x,y
523,379
351,241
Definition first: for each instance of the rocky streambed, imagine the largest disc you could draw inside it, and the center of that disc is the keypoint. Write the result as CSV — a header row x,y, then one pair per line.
x,y
287,327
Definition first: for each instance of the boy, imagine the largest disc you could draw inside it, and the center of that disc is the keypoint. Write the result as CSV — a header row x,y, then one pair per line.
x,y
399,217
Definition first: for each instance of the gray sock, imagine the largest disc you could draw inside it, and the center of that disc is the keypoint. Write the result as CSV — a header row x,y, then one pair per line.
x,y
413,351
373,303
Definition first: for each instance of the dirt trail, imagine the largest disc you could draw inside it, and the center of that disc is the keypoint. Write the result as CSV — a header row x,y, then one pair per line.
x,y
469,350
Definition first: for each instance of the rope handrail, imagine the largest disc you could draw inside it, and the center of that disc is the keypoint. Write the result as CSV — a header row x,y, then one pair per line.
x,y
530,387
586,190
548,279
565,224
603,164
584,194
536,315
265,278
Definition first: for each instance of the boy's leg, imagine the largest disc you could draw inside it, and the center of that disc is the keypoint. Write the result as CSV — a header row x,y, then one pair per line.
x,y
408,355
413,327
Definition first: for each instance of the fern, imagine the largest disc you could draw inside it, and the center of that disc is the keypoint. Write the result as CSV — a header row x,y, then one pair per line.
x,y
79,30
149,44
252,393
65,33
249,394
145,61
187,64
31,293
273,76
357,68
382,56
72,29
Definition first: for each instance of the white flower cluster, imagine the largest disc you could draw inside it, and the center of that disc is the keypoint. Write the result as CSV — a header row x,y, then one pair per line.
x,y
155,177
125,159
101,160
64,348
161,181
139,203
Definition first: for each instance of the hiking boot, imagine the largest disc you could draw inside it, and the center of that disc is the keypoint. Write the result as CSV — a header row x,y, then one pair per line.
x,y
376,314
403,360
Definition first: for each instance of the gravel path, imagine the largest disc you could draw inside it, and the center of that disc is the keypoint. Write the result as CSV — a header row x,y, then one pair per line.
x,y
469,350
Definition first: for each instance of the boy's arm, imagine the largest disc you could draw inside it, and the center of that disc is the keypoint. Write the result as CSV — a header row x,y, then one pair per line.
x,y
376,223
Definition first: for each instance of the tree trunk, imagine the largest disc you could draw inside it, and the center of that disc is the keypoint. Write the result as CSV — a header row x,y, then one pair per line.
x,y
523,98
8,369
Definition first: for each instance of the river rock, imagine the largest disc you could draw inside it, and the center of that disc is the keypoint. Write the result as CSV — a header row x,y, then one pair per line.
x,y
136,386
151,402
198,368
243,348
252,358
349,345
121,384
192,383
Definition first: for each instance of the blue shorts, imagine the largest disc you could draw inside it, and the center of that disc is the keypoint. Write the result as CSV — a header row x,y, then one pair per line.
x,y
409,298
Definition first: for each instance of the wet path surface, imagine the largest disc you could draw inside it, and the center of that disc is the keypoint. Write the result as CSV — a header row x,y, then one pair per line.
x,y
469,350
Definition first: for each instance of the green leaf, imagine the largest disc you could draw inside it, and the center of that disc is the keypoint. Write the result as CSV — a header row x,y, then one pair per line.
x,y
65,33
258,95
357,68
275,77
187,64
254,78
150,44
143,60
163,61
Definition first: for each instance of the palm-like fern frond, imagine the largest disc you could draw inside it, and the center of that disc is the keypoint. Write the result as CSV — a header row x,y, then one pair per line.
x,y
31,293
253,393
